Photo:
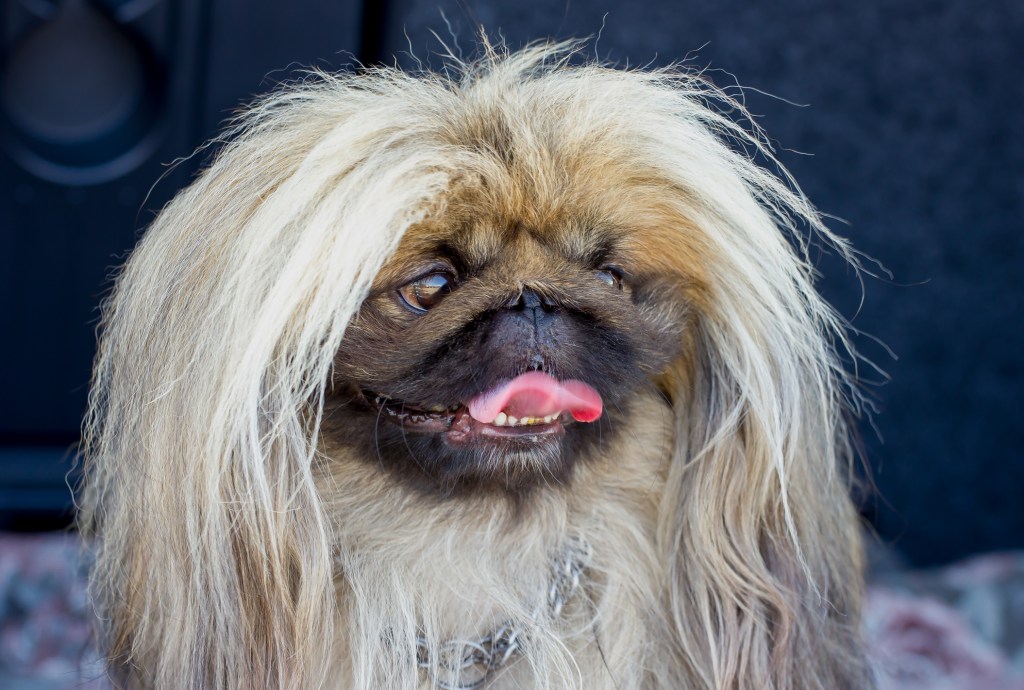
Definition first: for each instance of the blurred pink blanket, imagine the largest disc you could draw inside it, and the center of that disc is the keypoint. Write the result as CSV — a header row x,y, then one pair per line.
x,y
922,644
955,628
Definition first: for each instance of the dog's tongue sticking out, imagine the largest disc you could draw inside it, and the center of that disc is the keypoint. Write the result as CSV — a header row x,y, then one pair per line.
x,y
535,394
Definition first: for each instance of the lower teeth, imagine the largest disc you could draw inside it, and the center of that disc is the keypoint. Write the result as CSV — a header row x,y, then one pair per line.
x,y
506,420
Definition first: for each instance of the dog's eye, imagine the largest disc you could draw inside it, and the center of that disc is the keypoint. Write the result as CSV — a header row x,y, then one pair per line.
x,y
426,292
610,275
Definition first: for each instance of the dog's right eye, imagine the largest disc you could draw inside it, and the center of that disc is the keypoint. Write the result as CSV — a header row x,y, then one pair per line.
x,y
610,275
426,292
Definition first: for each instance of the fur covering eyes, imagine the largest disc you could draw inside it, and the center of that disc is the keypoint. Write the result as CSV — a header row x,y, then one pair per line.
x,y
510,377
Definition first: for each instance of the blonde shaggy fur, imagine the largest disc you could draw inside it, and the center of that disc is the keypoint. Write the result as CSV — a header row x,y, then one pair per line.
x,y
235,548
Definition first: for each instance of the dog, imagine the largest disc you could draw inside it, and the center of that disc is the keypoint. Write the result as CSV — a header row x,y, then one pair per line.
x,y
512,376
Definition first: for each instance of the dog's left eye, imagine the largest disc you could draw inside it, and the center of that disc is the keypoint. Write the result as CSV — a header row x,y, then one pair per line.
x,y
426,292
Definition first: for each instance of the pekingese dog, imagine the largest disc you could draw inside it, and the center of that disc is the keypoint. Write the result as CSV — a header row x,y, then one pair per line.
x,y
510,377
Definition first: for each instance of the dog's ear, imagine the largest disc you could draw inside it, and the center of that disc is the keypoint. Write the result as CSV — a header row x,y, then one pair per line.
x,y
757,526
213,567
760,534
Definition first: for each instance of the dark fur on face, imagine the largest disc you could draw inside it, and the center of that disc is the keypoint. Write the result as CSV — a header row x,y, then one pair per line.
x,y
565,297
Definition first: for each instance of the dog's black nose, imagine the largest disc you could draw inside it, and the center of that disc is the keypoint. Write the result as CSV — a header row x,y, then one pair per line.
x,y
529,300
528,318
536,309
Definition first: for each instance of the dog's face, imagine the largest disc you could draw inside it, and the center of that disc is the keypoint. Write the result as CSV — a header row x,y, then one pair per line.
x,y
503,342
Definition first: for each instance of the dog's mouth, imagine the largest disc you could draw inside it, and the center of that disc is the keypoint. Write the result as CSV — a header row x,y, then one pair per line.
x,y
528,408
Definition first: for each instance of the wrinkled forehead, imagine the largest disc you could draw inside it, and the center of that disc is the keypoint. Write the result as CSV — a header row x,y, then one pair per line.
x,y
582,213
476,236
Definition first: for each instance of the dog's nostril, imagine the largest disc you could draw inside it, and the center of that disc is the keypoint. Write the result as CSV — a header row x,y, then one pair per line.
x,y
533,300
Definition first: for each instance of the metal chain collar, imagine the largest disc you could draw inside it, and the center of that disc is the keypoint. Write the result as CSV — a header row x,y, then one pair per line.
x,y
468,664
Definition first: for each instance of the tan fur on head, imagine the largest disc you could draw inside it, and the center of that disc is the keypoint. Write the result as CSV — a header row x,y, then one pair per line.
x,y
240,546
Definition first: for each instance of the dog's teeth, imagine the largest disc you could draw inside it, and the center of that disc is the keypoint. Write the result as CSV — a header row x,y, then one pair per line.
x,y
504,419
437,408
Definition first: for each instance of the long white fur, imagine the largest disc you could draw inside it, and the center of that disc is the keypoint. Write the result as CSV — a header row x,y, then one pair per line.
x,y
230,553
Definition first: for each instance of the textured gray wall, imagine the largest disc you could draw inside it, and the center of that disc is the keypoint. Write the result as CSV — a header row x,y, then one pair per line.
x,y
914,129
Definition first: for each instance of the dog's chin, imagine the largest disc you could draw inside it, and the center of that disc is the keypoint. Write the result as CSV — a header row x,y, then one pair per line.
x,y
446,452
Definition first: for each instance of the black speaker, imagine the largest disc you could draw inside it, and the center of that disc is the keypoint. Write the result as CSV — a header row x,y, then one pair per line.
x,y
97,99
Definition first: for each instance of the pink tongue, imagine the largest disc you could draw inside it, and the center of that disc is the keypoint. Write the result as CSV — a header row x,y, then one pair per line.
x,y
535,394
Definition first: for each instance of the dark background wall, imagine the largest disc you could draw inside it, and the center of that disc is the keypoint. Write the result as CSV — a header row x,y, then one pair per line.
x,y
908,128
